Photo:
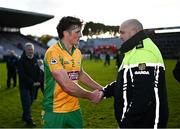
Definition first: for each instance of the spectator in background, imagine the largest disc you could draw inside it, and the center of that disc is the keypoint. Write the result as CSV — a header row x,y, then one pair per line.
x,y
107,59
29,79
41,76
11,60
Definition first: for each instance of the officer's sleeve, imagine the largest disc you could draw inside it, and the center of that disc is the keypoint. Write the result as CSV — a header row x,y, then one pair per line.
x,y
108,90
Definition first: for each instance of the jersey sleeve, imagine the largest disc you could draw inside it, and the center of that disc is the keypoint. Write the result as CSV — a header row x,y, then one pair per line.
x,y
54,60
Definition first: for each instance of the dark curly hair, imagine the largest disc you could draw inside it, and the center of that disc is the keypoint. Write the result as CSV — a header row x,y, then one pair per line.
x,y
67,23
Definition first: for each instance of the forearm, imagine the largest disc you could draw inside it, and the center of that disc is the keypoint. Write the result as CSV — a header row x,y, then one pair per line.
x,y
87,80
76,90
73,89
69,86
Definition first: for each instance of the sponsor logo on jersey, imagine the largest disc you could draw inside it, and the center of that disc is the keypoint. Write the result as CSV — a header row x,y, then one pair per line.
x,y
73,75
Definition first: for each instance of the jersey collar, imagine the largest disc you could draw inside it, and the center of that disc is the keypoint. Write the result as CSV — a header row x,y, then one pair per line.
x,y
61,45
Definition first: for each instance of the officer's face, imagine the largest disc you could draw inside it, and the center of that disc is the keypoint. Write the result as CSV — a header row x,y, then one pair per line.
x,y
126,32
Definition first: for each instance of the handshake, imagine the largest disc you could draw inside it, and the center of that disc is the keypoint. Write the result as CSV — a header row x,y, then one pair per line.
x,y
96,96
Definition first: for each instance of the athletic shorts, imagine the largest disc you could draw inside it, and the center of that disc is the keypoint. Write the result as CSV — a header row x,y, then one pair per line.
x,y
63,120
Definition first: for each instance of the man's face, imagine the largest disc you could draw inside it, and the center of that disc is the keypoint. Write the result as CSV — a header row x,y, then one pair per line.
x,y
74,35
126,32
29,50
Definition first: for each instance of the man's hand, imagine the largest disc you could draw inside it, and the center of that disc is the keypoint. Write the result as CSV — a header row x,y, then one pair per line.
x,y
96,96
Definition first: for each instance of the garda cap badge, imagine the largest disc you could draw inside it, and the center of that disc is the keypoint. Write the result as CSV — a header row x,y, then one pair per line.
x,y
142,66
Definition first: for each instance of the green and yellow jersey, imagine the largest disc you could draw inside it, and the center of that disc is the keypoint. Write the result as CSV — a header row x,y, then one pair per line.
x,y
58,58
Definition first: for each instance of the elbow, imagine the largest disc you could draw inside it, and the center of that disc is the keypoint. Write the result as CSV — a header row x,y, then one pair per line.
x,y
68,88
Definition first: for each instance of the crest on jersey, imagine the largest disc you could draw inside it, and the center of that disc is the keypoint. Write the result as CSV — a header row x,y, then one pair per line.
x,y
53,61
142,66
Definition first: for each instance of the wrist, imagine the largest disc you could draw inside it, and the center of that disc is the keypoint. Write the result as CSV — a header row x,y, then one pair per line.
x,y
89,95
103,91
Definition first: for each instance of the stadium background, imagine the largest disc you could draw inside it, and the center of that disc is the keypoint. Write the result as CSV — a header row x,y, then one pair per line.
x,y
95,116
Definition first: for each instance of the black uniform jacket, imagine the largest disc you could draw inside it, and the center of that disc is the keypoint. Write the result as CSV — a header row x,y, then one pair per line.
x,y
136,100
29,71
